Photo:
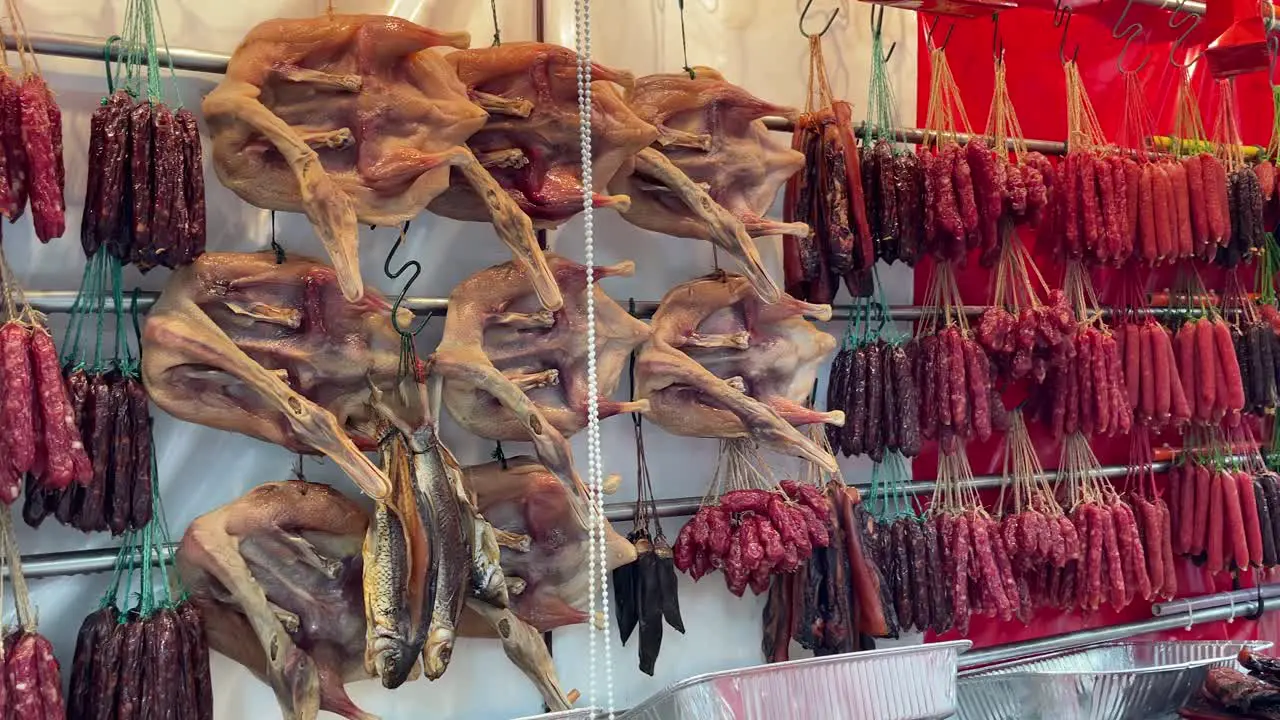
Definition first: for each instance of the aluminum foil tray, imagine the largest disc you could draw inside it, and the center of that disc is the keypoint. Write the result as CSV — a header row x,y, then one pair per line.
x,y
575,714
908,683
1113,681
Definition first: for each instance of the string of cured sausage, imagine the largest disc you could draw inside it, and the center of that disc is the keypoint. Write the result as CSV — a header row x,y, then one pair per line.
x,y
109,412
148,659
31,165
839,598
32,686
144,193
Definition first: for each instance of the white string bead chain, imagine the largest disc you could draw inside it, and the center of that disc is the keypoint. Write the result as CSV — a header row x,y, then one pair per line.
x,y
597,556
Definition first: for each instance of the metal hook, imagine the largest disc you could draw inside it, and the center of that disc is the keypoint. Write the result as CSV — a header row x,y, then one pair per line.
x,y
877,22
1192,18
1132,32
1231,603
1191,615
1062,19
825,28
933,27
417,270
997,42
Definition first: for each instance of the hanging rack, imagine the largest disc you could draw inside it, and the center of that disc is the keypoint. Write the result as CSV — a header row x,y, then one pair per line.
x,y
88,48
82,562
61,301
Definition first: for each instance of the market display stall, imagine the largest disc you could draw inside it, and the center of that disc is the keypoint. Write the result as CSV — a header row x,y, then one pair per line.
x,y
1063,440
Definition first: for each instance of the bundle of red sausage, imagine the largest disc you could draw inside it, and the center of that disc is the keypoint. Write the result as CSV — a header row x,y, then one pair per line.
x,y
875,386
751,534
32,688
1208,364
1122,554
31,163
1005,192
40,437
1088,394
1037,339
968,191
957,398
1229,519
839,599
1153,385
110,411
141,667
145,194
827,195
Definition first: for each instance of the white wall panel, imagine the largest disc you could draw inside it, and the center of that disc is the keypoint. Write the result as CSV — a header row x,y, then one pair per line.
x,y
755,43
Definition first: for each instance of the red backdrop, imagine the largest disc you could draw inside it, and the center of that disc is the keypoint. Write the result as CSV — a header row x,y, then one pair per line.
x,y
1037,90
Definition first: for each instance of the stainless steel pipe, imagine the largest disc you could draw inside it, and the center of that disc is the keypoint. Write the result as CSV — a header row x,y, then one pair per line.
x,y
79,562
91,48
977,659
61,301
1183,606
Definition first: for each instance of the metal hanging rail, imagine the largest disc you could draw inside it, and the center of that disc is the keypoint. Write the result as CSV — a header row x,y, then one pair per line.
x,y
80,562
1193,606
90,48
977,659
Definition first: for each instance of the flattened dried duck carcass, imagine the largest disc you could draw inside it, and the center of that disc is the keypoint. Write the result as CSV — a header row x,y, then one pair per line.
x,y
722,363
715,170
280,570
543,536
346,118
501,353
274,351
531,141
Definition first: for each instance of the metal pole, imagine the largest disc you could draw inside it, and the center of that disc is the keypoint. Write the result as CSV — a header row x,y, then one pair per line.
x,y
1182,606
78,562
60,301
1189,6
916,135
91,48
976,659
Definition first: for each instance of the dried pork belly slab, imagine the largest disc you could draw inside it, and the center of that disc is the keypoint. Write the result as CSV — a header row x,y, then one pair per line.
x,y
531,143
354,119
721,363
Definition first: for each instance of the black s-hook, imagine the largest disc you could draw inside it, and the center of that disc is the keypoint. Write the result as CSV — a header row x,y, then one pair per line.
x,y
997,42
1062,19
416,268
933,28
825,28
1131,32
1177,19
